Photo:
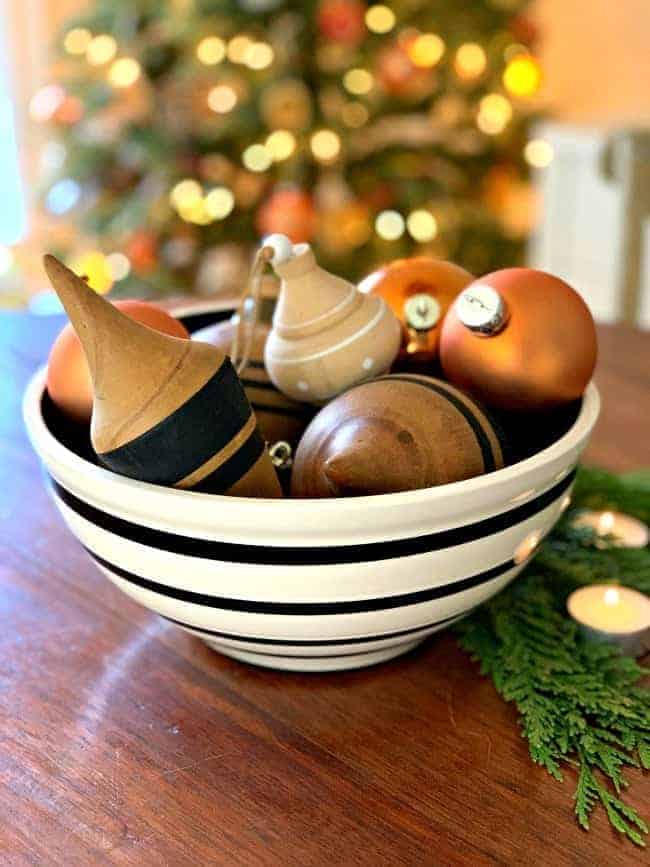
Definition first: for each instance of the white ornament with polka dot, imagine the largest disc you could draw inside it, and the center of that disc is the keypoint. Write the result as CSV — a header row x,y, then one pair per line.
x,y
326,334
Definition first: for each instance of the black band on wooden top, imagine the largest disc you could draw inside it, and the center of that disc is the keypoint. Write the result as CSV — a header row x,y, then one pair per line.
x,y
190,436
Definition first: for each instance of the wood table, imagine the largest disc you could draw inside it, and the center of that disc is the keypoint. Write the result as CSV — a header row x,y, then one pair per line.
x,y
125,741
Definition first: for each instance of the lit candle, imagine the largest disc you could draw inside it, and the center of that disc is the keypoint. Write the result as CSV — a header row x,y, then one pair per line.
x,y
617,615
626,531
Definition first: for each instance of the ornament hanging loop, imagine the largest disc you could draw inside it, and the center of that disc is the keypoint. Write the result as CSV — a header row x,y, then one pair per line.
x,y
249,310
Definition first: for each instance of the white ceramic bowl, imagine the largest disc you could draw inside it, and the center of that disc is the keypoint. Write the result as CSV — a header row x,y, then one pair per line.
x,y
311,585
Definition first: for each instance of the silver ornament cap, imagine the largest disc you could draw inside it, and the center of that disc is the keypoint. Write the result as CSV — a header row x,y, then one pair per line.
x,y
481,309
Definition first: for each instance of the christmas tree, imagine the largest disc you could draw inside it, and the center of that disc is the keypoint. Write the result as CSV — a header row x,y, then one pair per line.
x,y
188,129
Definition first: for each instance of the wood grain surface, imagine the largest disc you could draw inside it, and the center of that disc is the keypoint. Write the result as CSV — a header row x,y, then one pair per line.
x,y
124,741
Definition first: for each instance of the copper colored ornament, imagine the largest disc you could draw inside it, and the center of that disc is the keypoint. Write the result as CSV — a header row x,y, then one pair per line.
x,y
395,433
69,383
419,292
279,417
519,340
166,410
290,212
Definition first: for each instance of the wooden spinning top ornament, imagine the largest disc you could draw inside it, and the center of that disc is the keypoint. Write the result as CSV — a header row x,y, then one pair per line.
x,y
519,340
419,291
396,433
279,417
326,335
165,410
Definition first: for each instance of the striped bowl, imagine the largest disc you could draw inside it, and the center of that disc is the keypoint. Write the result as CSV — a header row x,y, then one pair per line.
x,y
309,585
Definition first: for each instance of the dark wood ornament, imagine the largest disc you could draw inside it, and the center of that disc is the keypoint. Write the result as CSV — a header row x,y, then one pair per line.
x,y
165,410
396,433
278,416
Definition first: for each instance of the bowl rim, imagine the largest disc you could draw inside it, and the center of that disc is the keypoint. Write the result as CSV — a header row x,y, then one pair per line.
x,y
54,453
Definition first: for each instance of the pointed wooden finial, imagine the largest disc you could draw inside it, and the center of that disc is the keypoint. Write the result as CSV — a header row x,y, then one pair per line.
x,y
165,410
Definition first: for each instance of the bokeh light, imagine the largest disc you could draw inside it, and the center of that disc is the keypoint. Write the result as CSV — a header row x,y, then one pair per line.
x,y
422,225
259,55
426,50
45,102
119,266
211,50
95,268
522,76
257,158
380,19
358,81
494,114
101,49
219,202
238,48
63,196
124,72
222,98
470,61
538,153
280,144
76,41
354,114
389,225
186,193
325,145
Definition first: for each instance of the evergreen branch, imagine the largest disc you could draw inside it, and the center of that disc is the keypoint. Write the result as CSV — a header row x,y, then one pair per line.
x,y
580,703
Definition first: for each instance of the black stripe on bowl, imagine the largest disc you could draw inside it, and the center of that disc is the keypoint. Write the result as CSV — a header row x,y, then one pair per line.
x,y
305,609
316,642
234,552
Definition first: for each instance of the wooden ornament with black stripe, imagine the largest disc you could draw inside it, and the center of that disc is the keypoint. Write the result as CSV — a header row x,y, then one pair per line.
x,y
165,410
396,433
278,416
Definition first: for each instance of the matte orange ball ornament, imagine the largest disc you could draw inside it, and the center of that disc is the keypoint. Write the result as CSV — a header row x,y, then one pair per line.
x,y
519,340
419,291
69,383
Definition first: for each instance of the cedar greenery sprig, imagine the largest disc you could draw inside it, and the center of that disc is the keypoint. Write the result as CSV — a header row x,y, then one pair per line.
x,y
580,703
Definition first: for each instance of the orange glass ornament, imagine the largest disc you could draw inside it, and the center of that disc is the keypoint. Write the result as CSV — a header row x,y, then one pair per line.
x,y
519,340
419,292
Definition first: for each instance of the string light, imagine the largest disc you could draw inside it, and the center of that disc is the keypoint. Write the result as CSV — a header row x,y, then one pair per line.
x,y
101,49
389,225
219,202
256,158
259,55
211,50
380,19
470,60
124,72
95,268
422,225
426,50
354,114
522,76
358,81
280,144
76,41
119,266
186,194
222,98
238,48
45,102
538,153
325,145
494,114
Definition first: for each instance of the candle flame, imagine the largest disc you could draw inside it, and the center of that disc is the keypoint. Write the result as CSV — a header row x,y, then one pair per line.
x,y
611,596
606,523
